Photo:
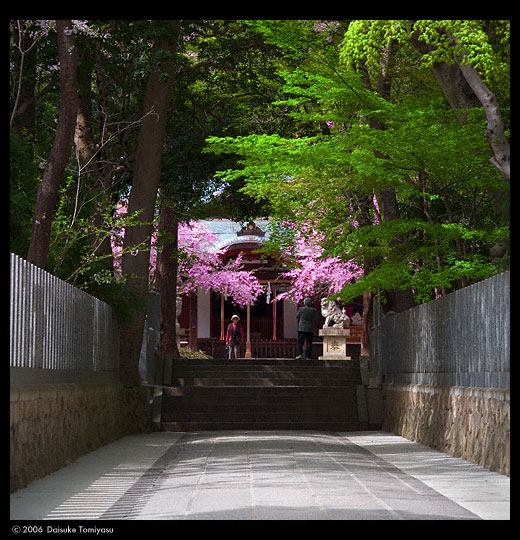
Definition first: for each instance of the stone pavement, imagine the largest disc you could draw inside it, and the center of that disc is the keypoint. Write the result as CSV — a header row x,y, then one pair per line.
x,y
265,475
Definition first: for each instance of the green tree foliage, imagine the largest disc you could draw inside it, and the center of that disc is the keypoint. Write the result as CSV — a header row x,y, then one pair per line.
x,y
359,144
22,182
310,120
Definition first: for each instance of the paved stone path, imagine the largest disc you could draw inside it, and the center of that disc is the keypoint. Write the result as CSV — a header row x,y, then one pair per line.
x,y
255,475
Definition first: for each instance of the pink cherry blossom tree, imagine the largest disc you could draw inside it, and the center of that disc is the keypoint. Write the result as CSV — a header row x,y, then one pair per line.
x,y
200,265
313,274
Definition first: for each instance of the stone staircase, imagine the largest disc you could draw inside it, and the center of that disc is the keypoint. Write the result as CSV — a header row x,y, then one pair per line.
x,y
262,394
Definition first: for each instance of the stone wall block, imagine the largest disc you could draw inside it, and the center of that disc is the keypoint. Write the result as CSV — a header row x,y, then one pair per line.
x,y
52,425
472,423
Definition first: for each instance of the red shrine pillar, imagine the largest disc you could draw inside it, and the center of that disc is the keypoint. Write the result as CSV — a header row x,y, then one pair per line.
x,y
194,342
248,333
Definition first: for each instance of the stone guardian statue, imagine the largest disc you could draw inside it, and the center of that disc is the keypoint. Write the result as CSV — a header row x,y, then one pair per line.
x,y
333,314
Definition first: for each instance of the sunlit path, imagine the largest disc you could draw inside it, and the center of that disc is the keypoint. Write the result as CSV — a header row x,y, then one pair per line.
x,y
265,475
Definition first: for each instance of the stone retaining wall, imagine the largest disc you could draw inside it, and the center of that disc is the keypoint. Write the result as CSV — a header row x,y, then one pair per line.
x,y
471,423
54,424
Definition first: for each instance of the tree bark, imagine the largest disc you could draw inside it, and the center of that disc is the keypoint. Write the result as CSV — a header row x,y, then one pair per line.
x,y
464,89
495,127
143,196
365,220
455,88
48,192
94,173
167,267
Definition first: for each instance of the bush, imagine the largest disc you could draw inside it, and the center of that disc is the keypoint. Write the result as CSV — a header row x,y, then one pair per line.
x,y
189,353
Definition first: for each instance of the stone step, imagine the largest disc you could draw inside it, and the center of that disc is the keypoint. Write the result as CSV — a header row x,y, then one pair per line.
x,y
257,409
259,416
263,426
263,369
261,381
255,404
261,394
262,362
228,403
263,372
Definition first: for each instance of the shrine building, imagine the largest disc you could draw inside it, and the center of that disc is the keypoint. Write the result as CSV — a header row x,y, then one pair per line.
x,y
270,327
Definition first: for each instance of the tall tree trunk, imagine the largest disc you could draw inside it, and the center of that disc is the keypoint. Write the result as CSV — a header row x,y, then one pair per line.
x,y
464,89
365,220
48,192
397,299
495,127
143,196
93,172
167,268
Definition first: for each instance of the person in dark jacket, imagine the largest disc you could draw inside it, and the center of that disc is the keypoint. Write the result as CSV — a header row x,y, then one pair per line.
x,y
234,335
306,317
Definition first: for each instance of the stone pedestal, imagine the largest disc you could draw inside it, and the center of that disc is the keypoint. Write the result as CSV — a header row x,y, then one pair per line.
x,y
334,343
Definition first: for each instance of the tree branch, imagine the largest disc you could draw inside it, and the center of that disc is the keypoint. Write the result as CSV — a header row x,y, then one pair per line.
x,y
495,127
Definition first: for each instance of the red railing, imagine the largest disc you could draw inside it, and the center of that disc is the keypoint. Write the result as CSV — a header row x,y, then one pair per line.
x,y
261,326
260,348
269,348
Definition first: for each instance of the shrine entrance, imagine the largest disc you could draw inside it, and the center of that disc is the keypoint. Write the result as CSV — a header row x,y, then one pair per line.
x,y
266,319
272,324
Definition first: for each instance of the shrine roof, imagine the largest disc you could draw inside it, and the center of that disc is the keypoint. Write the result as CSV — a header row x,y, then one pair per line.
x,y
226,231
